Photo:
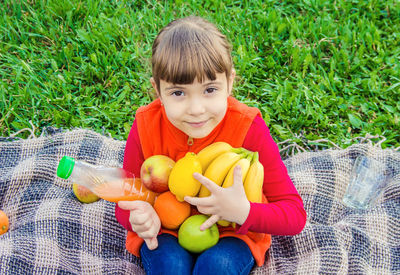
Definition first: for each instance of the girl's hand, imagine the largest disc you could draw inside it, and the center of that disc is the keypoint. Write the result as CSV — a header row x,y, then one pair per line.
x,y
229,204
144,221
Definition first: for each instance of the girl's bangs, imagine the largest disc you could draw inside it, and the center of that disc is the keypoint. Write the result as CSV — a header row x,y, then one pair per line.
x,y
182,63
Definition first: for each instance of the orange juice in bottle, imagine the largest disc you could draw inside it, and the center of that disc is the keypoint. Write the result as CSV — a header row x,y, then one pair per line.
x,y
131,189
109,183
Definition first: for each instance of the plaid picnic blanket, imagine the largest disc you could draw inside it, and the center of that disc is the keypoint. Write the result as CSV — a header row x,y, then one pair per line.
x,y
51,232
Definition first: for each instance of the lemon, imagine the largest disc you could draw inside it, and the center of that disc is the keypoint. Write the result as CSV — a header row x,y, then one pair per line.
x,y
181,181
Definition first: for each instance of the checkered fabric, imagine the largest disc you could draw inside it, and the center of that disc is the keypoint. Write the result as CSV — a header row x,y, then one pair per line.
x,y
53,233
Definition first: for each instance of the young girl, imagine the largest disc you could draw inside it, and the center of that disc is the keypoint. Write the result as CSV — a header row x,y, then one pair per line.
x,y
193,76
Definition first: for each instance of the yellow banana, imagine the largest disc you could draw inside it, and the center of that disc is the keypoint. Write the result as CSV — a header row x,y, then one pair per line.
x,y
218,169
254,180
209,153
244,163
223,223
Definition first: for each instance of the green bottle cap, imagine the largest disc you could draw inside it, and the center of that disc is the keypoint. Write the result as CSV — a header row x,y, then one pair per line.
x,y
65,167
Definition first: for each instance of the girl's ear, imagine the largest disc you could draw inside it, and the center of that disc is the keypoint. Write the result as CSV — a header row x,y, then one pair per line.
x,y
231,80
154,84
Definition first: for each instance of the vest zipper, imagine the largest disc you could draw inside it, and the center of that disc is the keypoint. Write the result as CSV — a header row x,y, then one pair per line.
x,y
190,141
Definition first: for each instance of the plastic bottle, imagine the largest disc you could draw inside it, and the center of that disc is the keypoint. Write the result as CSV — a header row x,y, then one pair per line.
x,y
109,183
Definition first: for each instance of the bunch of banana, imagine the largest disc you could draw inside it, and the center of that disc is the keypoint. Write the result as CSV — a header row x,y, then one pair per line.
x,y
209,153
244,163
254,180
218,161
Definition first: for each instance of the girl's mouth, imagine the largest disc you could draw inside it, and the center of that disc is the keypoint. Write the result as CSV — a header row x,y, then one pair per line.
x,y
197,124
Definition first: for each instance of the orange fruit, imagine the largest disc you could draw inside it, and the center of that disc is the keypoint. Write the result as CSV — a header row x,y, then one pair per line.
x,y
172,213
3,223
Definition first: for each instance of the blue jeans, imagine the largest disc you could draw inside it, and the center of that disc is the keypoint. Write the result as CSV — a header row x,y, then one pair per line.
x,y
229,256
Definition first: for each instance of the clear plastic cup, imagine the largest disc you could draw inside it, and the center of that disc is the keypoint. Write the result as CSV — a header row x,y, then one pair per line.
x,y
367,180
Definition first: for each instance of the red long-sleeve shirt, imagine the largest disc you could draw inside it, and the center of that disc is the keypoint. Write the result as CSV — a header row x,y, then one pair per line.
x,y
283,215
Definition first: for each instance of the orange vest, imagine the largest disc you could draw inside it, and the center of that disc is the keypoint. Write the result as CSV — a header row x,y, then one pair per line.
x,y
159,137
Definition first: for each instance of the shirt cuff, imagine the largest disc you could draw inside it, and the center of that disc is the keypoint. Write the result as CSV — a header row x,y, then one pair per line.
x,y
122,217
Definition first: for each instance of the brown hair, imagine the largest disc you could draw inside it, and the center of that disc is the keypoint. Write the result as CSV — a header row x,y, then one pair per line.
x,y
190,47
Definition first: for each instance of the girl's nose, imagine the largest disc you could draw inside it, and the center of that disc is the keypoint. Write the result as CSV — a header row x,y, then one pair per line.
x,y
196,107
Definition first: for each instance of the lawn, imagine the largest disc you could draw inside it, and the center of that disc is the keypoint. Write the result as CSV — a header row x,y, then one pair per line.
x,y
316,69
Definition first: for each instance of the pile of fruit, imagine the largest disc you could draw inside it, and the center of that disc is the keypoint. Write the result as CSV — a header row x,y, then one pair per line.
x,y
160,173
170,182
175,181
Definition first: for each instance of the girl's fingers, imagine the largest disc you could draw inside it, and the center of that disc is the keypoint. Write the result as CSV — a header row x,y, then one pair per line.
x,y
142,227
237,174
138,218
206,210
130,205
148,230
209,222
151,243
206,201
147,234
212,186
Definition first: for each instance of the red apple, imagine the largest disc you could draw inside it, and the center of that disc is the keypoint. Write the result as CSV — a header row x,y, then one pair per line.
x,y
155,171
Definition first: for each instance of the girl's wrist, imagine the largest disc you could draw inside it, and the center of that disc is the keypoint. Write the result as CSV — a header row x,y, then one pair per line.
x,y
244,212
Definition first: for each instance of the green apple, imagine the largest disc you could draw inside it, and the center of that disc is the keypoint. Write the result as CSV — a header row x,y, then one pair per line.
x,y
193,239
83,194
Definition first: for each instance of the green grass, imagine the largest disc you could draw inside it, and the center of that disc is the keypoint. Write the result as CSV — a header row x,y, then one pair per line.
x,y
318,69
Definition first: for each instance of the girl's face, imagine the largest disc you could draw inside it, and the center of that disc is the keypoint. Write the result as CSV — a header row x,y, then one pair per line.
x,y
197,108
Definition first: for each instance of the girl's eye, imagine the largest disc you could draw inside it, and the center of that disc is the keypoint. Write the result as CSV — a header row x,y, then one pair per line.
x,y
210,90
177,93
